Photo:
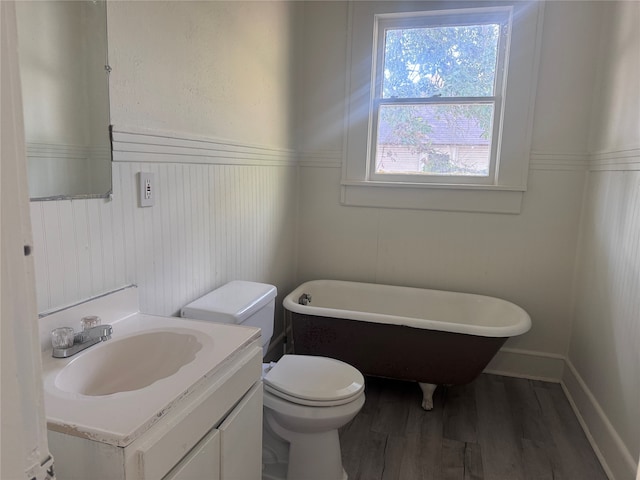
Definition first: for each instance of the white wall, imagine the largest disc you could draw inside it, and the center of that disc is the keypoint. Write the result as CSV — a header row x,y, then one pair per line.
x,y
219,69
604,378
198,72
526,258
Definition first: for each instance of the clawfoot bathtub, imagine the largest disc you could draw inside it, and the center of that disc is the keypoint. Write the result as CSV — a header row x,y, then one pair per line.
x,y
430,336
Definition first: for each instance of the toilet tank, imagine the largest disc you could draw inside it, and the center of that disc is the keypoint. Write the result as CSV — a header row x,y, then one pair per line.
x,y
244,303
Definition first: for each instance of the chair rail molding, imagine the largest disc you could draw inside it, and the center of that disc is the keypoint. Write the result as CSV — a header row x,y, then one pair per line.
x,y
132,144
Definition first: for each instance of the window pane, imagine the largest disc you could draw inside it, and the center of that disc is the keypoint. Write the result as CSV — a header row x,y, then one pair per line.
x,y
444,139
457,61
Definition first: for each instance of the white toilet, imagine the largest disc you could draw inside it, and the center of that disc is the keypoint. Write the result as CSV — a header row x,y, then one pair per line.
x,y
306,398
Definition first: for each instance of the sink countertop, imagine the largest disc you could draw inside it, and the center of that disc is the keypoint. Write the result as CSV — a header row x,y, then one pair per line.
x,y
120,418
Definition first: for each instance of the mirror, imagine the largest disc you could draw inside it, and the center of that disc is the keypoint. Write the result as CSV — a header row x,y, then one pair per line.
x,y
64,71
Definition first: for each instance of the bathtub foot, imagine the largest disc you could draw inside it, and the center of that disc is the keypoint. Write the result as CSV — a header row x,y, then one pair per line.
x,y
427,395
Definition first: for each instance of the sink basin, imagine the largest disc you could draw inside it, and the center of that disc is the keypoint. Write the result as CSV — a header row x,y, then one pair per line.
x,y
128,364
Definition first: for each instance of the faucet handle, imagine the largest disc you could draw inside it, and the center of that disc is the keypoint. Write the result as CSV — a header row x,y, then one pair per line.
x,y
305,299
62,337
90,321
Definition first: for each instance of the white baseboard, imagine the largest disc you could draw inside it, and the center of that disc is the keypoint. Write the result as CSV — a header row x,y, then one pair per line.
x,y
613,454
513,362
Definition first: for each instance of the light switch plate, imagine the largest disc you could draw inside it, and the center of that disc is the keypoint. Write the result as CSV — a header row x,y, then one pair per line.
x,y
147,189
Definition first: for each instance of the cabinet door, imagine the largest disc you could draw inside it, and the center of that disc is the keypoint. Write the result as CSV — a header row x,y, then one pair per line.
x,y
241,439
201,463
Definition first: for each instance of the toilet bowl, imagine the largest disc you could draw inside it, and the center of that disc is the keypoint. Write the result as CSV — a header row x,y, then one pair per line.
x,y
306,398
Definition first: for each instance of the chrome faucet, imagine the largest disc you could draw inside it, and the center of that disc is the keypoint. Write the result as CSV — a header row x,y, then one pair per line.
x,y
85,339
305,299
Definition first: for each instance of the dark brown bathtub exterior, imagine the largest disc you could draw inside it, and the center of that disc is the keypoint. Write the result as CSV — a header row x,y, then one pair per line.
x,y
395,351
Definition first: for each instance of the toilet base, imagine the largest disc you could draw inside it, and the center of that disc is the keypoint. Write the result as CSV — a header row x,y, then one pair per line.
x,y
305,463
304,460
274,471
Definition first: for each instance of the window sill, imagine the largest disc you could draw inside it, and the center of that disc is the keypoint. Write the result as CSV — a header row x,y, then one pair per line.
x,y
453,198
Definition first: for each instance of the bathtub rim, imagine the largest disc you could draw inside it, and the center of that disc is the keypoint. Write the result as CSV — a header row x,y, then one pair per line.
x,y
519,327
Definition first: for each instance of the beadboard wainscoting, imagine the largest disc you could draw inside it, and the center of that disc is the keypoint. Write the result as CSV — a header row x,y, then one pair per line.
x,y
216,218
603,375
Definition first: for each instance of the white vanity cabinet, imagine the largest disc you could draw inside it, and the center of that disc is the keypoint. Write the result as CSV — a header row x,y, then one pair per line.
x,y
215,433
229,451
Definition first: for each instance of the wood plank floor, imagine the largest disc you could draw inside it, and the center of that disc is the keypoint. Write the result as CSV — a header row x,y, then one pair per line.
x,y
496,428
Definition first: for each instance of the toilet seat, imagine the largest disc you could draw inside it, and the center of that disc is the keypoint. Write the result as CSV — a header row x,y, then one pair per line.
x,y
310,403
314,381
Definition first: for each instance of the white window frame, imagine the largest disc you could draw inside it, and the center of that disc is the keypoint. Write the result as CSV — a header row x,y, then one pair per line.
x,y
503,192
430,19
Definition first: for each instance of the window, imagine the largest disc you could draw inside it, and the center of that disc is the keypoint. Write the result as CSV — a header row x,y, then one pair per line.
x,y
437,95
440,104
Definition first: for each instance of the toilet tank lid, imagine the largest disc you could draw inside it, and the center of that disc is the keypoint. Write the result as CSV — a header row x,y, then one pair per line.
x,y
238,299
